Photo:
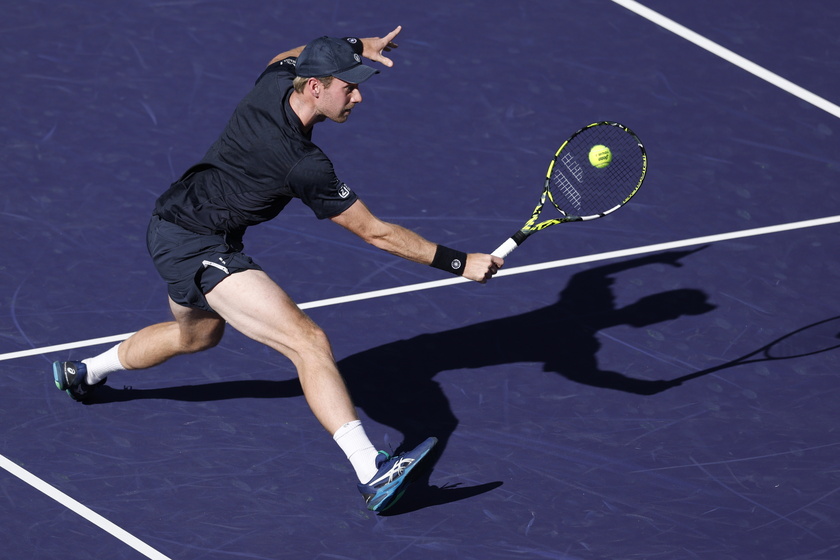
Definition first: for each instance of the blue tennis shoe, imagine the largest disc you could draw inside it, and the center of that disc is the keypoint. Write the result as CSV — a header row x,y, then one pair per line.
x,y
70,377
393,476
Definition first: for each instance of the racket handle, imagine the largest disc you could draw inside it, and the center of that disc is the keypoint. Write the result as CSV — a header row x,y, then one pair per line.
x,y
505,248
508,246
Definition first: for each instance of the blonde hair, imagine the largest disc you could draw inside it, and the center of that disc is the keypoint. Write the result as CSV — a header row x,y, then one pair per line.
x,y
299,82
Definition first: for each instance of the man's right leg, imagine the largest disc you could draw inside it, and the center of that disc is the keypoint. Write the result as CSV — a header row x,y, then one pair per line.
x,y
260,309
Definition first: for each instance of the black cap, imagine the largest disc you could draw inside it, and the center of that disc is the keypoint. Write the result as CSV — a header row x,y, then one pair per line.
x,y
328,56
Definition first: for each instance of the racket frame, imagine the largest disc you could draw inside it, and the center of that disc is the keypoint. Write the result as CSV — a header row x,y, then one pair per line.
x,y
533,226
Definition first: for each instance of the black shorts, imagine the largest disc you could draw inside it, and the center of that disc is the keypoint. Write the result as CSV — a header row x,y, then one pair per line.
x,y
193,264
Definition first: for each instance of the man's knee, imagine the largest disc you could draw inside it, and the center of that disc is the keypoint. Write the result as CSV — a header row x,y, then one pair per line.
x,y
315,337
308,345
204,338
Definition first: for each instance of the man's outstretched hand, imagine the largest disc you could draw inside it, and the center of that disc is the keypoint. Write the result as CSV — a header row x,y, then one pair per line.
x,y
373,47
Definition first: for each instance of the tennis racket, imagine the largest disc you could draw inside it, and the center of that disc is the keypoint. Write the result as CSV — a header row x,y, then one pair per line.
x,y
594,173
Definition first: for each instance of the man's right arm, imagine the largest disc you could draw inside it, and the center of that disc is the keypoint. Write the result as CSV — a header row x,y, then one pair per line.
x,y
407,244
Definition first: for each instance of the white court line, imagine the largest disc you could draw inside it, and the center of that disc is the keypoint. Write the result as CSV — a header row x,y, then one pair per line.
x,y
81,510
505,272
730,56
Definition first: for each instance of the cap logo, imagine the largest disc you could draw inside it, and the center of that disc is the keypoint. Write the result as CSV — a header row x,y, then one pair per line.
x,y
328,56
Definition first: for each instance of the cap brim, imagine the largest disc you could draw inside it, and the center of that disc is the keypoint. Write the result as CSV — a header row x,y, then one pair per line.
x,y
357,74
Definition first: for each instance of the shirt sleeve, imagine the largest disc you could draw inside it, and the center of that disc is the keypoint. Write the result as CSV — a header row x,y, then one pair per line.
x,y
314,181
285,66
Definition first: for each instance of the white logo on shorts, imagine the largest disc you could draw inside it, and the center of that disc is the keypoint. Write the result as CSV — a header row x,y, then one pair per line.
x,y
216,265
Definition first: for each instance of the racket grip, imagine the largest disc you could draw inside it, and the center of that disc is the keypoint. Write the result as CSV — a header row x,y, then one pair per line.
x,y
505,248
512,243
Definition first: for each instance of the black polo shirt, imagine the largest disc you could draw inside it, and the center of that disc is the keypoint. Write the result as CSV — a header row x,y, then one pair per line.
x,y
261,161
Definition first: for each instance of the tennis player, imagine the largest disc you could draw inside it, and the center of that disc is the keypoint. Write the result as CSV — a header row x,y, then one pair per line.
x,y
263,159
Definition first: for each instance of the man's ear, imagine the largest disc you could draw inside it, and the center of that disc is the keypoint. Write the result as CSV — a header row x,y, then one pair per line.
x,y
314,85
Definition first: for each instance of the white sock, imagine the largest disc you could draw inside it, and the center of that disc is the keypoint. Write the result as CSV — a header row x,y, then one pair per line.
x,y
100,366
353,440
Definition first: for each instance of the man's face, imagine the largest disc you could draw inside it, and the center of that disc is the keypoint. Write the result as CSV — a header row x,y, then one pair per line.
x,y
336,101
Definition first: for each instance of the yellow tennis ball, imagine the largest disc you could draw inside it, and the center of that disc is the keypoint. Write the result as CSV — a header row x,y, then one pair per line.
x,y
600,156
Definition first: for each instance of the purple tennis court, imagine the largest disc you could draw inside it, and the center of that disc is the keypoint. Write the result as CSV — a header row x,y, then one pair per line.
x,y
660,383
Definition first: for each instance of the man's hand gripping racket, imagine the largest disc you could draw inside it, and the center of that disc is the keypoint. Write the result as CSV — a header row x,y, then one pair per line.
x,y
594,173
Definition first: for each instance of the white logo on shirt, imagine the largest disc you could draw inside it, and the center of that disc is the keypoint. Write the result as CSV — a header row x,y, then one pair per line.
x,y
343,190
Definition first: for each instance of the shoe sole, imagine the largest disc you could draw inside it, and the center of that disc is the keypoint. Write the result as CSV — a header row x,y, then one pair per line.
x,y
392,492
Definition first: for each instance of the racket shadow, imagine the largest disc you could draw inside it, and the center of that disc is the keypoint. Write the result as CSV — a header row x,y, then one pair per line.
x,y
810,340
394,384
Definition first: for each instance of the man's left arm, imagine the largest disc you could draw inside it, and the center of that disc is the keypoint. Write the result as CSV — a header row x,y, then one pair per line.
x,y
286,54
409,245
371,48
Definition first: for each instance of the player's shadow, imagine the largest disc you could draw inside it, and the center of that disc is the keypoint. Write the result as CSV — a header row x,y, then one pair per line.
x,y
207,392
394,384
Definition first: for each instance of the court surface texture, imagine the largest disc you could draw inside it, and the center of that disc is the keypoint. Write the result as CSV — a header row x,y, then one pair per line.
x,y
658,384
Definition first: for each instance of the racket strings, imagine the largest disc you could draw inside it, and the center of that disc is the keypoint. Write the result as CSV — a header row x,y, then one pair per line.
x,y
577,187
